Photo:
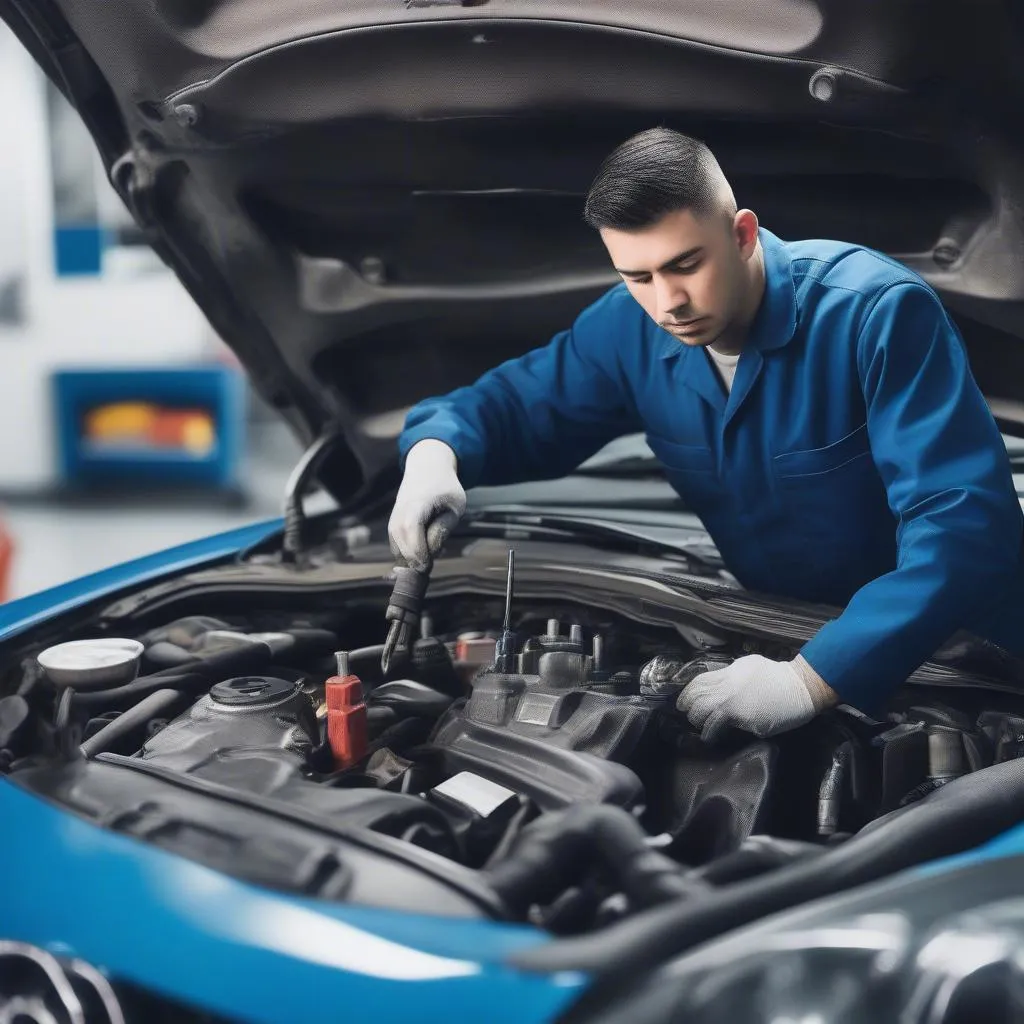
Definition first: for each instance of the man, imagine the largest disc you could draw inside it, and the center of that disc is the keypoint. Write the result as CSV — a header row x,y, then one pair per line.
x,y
810,401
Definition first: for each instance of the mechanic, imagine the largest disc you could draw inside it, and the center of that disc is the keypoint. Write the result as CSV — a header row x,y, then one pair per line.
x,y
811,401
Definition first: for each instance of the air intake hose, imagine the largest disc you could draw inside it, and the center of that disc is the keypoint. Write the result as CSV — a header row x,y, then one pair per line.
x,y
553,852
959,816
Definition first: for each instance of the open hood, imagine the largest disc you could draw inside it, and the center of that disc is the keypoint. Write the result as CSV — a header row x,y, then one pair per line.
x,y
376,200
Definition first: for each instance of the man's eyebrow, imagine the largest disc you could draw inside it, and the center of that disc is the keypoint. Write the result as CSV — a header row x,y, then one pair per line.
x,y
689,254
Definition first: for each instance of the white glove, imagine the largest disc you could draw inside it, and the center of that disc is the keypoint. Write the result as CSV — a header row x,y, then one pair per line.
x,y
755,694
429,503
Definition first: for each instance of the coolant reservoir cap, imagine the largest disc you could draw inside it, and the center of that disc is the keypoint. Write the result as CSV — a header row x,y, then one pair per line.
x,y
253,691
92,664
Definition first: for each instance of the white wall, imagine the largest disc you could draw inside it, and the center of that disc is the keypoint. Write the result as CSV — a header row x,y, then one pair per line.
x,y
135,314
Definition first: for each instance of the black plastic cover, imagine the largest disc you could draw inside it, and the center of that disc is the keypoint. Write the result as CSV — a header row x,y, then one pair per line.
x,y
576,717
251,713
718,800
295,852
554,778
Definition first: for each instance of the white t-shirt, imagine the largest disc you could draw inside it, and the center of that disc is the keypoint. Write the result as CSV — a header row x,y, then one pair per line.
x,y
726,366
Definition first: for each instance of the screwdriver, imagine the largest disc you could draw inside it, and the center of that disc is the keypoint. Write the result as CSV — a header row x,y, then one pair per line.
x,y
403,610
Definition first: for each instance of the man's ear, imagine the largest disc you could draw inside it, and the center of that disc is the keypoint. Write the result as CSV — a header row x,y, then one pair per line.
x,y
744,226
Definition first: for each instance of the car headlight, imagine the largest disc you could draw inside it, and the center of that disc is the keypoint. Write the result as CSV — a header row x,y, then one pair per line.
x,y
921,948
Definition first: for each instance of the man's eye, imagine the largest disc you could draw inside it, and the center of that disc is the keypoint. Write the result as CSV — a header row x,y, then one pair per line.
x,y
687,268
638,280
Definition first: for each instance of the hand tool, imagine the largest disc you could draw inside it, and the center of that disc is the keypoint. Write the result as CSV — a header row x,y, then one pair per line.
x,y
403,610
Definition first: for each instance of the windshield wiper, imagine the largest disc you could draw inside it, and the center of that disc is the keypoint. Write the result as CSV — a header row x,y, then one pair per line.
x,y
634,537
627,466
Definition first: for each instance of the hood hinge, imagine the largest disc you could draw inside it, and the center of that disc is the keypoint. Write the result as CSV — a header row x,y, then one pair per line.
x,y
135,180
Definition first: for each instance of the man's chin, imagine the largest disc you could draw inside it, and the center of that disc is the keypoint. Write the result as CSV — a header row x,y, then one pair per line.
x,y
700,336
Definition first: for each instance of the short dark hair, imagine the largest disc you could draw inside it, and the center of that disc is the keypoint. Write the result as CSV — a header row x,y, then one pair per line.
x,y
656,172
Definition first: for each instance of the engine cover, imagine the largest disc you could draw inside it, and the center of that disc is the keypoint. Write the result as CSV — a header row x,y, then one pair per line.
x,y
251,713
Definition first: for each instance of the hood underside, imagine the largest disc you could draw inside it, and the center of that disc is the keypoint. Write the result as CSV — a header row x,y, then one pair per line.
x,y
376,201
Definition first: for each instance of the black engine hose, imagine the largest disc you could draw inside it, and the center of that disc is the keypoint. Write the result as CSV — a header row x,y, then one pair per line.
x,y
756,855
310,641
186,682
128,721
527,809
371,653
198,673
193,675
551,852
955,818
304,472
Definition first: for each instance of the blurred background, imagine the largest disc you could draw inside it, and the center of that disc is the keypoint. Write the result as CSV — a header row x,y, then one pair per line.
x,y
125,424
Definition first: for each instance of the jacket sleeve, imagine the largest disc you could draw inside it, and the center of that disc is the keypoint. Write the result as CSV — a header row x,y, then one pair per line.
x,y
950,488
539,416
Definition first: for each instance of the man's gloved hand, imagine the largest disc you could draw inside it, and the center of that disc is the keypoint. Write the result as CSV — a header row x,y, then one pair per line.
x,y
430,502
757,695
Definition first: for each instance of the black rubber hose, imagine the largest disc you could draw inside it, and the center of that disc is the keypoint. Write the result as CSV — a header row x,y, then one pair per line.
x,y
371,653
756,855
309,641
955,818
512,832
238,660
301,476
128,721
253,655
190,682
551,853
198,673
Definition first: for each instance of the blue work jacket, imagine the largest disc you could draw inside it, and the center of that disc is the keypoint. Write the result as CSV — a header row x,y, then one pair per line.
x,y
855,461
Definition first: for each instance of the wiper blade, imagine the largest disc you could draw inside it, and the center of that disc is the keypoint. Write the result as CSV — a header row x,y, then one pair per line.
x,y
630,466
556,526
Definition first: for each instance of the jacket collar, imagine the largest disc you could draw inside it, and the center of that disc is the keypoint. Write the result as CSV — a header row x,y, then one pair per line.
x,y
775,321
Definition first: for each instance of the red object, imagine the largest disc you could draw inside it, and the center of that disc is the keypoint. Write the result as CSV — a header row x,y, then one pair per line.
x,y
6,556
477,650
346,720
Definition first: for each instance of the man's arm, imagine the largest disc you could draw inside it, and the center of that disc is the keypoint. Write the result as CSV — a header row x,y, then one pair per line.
x,y
948,479
541,415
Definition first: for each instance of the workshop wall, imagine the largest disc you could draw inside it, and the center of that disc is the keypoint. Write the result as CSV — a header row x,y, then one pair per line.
x,y
108,371
129,311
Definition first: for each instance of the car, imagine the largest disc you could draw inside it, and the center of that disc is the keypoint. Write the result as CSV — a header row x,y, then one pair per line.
x,y
217,807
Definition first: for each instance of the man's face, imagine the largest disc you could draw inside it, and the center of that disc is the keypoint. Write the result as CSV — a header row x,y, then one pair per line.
x,y
689,273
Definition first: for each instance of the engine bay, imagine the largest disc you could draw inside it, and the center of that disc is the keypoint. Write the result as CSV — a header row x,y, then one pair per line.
x,y
543,756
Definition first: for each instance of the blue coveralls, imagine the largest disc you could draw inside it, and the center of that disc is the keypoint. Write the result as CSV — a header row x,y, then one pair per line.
x,y
855,461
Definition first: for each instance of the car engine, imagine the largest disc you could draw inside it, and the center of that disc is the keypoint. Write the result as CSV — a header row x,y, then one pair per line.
x,y
549,758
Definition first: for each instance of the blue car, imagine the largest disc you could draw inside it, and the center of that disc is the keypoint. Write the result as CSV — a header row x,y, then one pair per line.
x,y
216,804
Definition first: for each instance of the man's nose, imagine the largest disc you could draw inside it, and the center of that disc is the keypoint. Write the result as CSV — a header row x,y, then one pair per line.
x,y
670,296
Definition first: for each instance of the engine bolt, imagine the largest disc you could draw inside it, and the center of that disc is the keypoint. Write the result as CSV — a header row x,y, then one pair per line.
x,y
187,115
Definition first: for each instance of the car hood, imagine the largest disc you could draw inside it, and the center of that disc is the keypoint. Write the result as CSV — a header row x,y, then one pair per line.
x,y
376,201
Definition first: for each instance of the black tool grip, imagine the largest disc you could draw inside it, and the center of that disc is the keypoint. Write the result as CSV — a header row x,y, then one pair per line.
x,y
407,596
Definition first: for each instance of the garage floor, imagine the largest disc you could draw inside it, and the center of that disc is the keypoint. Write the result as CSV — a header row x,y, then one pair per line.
x,y
56,542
